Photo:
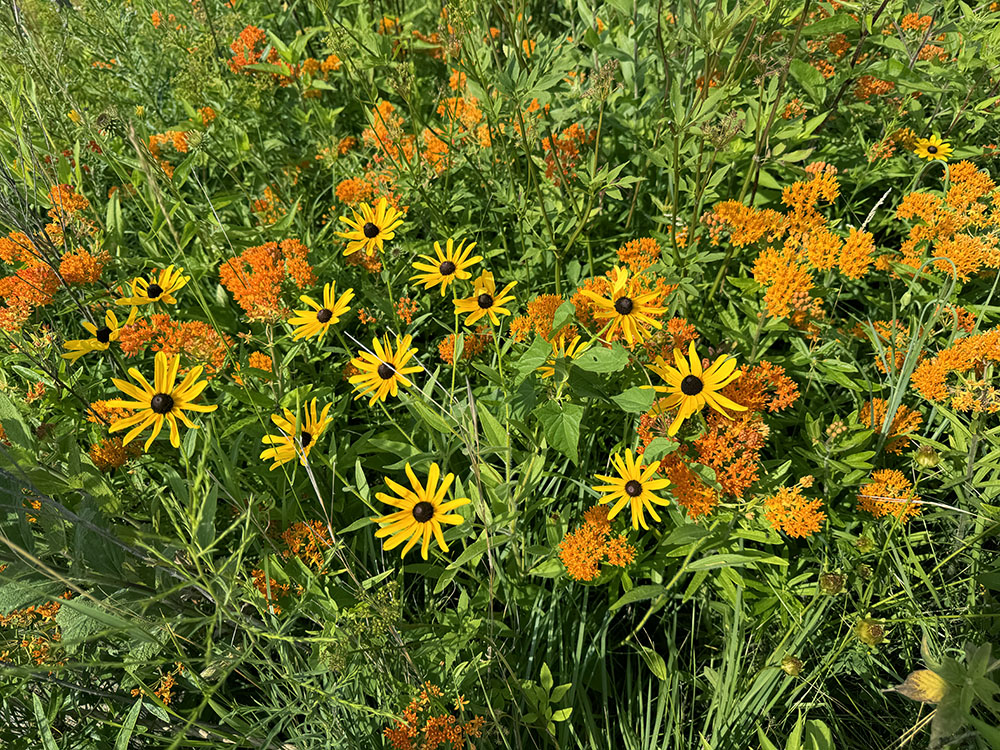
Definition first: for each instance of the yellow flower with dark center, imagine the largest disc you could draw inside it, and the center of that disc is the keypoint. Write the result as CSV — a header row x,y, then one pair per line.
x,y
485,300
562,350
164,401
933,148
384,370
629,310
101,338
690,387
317,321
421,512
448,265
634,486
296,438
159,289
371,228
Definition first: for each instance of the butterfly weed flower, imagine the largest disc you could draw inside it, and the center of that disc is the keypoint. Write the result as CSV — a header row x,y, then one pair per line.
x,y
164,401
446,265
383,370
421,511
372,227
561,349
297,436
317,320
634,486
100,338
161,288
933,148
628,309
690,387
485,300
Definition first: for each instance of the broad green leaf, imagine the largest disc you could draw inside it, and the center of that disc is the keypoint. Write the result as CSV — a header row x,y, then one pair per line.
x,y
561,426
635,400
638,594
125,734
603,359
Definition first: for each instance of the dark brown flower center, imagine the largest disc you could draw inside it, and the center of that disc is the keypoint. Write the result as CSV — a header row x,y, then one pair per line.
x,y
161,403
932,149
386,371
633,488
370,230
103,335
324,315
305,438
423,512
485,301
691,385
154,290
447,268
623,305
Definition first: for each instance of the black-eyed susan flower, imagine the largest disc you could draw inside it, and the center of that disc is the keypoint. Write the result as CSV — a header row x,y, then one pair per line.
x,y
297,437
932,148
421,511
563,350
165,400
629,309
317,320
449,264
634,486
485,300
100,338
384,370
690,387
371,228
160,288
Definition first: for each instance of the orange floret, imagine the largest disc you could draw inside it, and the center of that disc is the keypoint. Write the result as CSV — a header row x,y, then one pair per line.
x,y
789,511
889,494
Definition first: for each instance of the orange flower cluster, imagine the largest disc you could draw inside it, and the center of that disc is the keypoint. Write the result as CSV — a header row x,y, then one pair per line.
x,y
789,511
386,133
583,550
258,361
270,586
794,109
541,312
82,267
268,208
258,277
40,618
676,333
207,115
961,229
109,454
472,344
686,486
869,86
307,541
405,309
354,190
65,202
199,343
915,22
967,356
564,151
103,414
31,286
421,728
175,139
889,494
245,50
904,422
639,254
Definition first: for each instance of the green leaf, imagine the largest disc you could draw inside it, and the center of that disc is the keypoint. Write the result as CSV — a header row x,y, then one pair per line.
x,y
810,79
635,400
48,741
602,359
658,448
561,426
121,743
565,314
427,415
547,681
638,594
533,357
562,714
736,560
654,661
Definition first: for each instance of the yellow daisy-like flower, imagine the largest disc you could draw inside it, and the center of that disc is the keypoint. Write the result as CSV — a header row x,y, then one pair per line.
x,y
372,227
562,350
317,321
162,401
690,387
634,486
628,310
485,300
296,438
159,289
101,338
450,264
933,148
385,370
421,512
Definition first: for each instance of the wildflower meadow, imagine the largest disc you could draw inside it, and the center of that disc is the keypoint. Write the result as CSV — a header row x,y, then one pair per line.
x,y
440,375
